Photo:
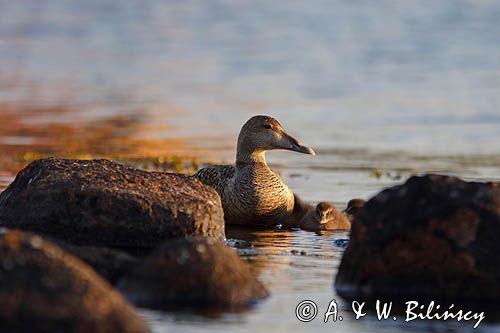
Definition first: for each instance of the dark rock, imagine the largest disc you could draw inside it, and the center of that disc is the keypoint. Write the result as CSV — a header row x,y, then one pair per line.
x,y
45,289
112,264
432,237
101,202
193,272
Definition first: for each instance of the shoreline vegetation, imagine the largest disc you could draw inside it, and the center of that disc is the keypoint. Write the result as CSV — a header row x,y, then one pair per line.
x,y
26,135
30,132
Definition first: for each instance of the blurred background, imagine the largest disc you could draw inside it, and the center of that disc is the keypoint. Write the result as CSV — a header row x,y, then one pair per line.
x,y
380,89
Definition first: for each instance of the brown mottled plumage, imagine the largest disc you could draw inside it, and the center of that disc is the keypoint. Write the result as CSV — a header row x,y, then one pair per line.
x,y
251,192
324,217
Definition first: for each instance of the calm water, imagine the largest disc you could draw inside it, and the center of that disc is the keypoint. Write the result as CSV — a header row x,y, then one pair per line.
x,y
398,87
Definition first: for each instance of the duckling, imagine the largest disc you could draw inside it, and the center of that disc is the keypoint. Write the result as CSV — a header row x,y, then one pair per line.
x,y
324,217
252,193
353,207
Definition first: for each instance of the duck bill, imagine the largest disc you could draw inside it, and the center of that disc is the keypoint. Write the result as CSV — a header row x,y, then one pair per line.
x,y
324,218
348,210
297,146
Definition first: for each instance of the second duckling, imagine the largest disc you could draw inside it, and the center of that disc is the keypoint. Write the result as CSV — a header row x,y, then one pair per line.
x,y
353,207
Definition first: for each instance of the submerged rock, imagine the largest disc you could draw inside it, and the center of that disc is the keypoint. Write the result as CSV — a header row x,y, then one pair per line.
x,y
101,202
45,289
193,272
432,237
341,243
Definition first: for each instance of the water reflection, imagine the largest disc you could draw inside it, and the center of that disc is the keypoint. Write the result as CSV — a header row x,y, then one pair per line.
x,y
30,132
296,266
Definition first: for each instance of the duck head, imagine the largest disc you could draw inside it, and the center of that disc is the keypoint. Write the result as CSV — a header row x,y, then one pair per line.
x,y
323,210
354,205
262,133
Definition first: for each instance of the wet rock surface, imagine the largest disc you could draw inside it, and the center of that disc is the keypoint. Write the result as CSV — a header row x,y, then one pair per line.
x,y
43,288
101,202
432,237
193,272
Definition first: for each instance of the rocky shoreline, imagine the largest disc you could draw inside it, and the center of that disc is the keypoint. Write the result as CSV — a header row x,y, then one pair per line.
x,y
86,226
94,217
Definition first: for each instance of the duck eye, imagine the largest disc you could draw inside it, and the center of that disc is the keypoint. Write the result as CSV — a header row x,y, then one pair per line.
x,y
267,126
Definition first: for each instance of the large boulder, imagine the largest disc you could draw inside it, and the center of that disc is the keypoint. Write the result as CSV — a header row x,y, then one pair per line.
x,y
432,237
45,289
193,272
101,202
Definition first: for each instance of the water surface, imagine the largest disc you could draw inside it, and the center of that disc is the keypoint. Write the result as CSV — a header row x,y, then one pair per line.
x,y
380,90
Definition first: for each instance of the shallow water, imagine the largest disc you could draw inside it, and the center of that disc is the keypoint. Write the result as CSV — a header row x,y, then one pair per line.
x,y
380,90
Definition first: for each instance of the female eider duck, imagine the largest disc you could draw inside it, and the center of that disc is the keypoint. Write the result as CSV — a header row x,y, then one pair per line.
x,y
250,191
324,217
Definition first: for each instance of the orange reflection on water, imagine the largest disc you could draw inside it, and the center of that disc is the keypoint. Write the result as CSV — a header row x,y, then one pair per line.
x,y
29,132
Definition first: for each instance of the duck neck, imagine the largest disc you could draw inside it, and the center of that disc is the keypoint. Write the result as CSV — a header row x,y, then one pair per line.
x,y
249,153
245,158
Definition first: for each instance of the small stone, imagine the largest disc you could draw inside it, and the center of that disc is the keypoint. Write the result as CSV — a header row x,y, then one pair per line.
x,y
178,273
